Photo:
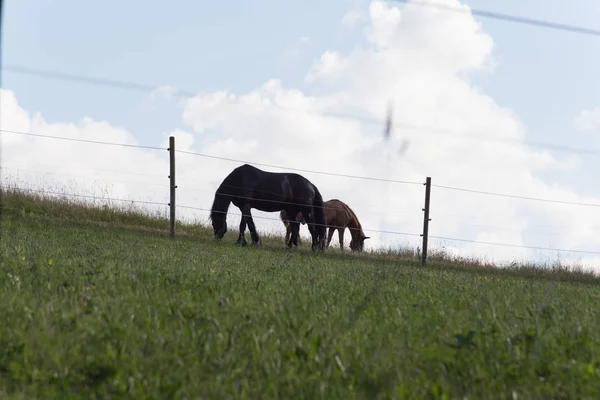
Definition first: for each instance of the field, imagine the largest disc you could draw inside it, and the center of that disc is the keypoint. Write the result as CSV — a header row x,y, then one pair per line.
x,y
98,303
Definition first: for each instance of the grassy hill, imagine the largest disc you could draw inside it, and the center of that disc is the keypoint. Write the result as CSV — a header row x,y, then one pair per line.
x,y
98,302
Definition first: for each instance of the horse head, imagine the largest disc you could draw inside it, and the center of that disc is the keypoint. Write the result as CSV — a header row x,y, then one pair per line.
x,y
219,224
358,243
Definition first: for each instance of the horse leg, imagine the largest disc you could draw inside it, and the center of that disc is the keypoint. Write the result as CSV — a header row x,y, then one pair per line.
x,y
341,237
300,218
330,235
242,238
313,235
295,233
248,214
288,232
293,227
310,222
253,233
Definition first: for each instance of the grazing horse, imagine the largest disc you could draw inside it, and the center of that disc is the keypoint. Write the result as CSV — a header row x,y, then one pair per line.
x,y
338,216
249,187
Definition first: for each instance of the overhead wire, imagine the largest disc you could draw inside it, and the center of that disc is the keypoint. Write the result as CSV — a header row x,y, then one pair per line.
x,y
505,17
367,120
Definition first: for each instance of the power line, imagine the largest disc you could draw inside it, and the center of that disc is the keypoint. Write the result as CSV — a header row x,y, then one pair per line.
x,y
299,169
513,245
135,86
86,79
366,120
81,140
506,17
517,197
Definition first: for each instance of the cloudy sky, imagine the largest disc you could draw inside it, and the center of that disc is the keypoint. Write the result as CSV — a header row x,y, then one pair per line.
x,y
306,85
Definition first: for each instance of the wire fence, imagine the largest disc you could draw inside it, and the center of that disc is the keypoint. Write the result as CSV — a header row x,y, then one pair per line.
x,y
365,208
367,229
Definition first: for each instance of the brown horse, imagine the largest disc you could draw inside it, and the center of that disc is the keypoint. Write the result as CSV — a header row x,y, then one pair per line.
x,y
338,216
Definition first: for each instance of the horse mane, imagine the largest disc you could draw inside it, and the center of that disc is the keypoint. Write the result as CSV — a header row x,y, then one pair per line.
x,y
222,199
347,207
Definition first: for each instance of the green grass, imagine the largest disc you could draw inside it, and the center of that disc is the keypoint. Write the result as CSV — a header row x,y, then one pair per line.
x,y
123,311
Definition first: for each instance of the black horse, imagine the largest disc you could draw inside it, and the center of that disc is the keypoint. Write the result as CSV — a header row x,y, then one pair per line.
x,y
249,187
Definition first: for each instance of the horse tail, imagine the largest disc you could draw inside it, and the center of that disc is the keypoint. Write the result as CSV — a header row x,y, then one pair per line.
x,y
319,216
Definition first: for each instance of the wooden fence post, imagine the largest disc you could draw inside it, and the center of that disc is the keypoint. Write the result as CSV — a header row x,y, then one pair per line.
x,y
172,185
426,220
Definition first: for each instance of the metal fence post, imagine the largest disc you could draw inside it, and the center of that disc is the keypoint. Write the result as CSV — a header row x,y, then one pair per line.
x,y
172,185
426,220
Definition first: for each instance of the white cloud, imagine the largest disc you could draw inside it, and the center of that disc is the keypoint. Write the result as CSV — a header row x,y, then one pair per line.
x,y
588,121
420,58
351,18
329,65
164,92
